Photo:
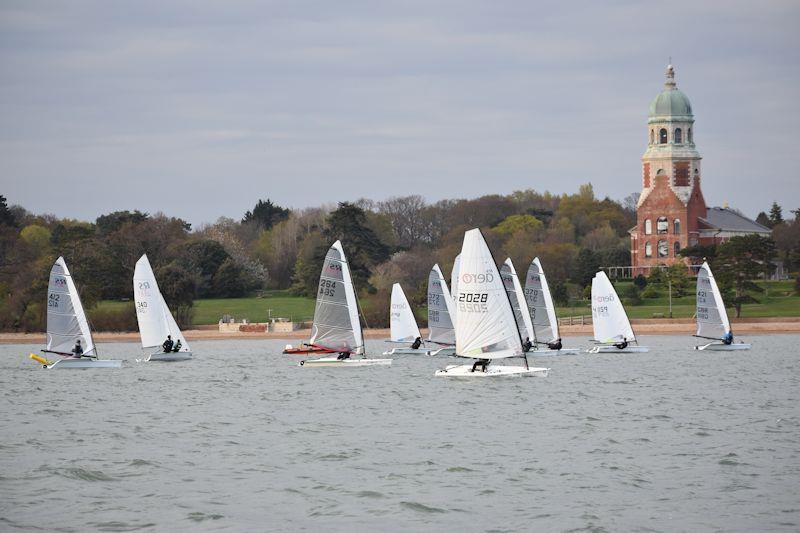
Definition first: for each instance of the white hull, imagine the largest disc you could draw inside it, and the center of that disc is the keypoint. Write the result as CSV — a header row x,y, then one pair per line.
x,y
613,349
552,353
442,351
332,361
406,351
492,371
170,357
720,347
85,362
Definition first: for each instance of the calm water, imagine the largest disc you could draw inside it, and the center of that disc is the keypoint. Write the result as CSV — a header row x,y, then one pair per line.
x,y
242,439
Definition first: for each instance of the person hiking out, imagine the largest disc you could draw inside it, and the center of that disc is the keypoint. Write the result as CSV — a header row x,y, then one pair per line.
x,y
417,343
177,347
728,338
342,356
527,345
77,350
168,344
555,345
622,345
483,363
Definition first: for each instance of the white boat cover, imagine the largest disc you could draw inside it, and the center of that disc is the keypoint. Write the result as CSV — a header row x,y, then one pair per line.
x,y
486,328
155,319
336,324
609,321
440,310
402,324
540,304
712,318
516,297
66,319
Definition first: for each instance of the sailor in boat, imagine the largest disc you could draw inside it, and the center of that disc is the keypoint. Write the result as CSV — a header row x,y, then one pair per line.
x,y
728,338
527,345
177,347
622,345
77,350
483,363
342,356
417,343
554,345
168,344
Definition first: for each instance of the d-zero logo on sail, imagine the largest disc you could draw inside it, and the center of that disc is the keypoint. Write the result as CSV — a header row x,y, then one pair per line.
x,y
604,299
488,277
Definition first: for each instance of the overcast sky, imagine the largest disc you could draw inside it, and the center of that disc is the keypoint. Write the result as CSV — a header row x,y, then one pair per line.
x,y
200,108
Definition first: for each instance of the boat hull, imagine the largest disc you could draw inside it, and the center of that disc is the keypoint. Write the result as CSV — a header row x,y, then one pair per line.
x,y
720,347
406,351
492,371
614,349
170,357
553,353
69,363
344,363
305,349
442,351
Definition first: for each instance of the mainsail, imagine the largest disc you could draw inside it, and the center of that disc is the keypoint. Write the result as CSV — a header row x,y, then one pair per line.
x,y
440,310
609,321
152,312
516,298
486,328
454,277
540,303
402,324
336,324
712,318
66,319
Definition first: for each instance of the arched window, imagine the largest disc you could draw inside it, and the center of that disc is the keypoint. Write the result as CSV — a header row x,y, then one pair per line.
x,y
652,136
662,136
677,247
662,226
689,135
663,249
648,249
678,136
648,227
676,226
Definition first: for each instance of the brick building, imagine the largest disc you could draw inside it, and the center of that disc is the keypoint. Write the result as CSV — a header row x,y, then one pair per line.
x,y
672,213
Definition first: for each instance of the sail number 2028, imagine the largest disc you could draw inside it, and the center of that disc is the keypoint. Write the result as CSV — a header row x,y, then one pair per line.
x,y
474,302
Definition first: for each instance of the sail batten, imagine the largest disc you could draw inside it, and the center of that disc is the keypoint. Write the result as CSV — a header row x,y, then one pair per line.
x,y
336,323
66,318
440,310
712,318
609,320
485,325
152,313
540,303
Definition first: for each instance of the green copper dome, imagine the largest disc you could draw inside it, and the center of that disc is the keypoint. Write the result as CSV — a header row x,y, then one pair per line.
x,y
671,102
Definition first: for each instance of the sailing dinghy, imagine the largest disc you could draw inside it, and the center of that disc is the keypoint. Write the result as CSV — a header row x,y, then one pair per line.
x,y
547,339
485,325
612,329
712,318
516,297
440,314
155,319
336,324
402,325
67,323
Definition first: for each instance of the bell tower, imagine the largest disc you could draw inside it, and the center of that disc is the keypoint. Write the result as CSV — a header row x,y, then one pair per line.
x,y
671,200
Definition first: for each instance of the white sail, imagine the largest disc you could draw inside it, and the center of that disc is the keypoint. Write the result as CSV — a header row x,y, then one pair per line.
x,y
155,319
454,277
440,310
516,298
336,324
402,324
486,328
712,318
540,303
609,320
66,319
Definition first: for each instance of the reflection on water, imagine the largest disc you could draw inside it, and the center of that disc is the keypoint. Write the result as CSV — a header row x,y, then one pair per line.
x,y
242,438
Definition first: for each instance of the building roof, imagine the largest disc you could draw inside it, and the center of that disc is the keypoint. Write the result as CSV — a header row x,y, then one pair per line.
x,y
725,219
671,103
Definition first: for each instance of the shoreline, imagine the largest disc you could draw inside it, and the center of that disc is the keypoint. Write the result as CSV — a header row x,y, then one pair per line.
x,y
655,326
